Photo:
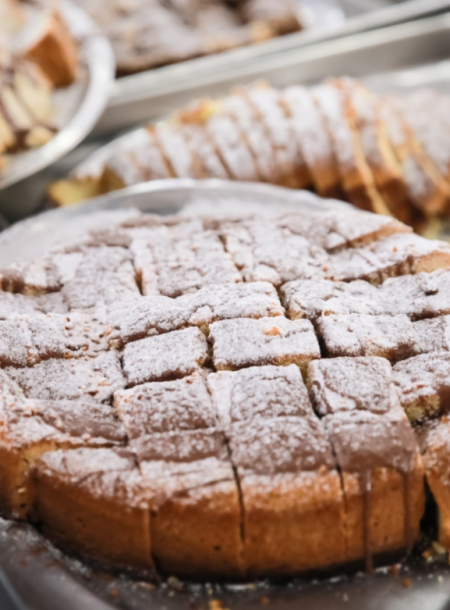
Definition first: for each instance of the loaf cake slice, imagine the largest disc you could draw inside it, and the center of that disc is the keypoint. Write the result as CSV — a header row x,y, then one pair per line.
x,y
423,385
356,177
364,111
426,188
311,132
290,163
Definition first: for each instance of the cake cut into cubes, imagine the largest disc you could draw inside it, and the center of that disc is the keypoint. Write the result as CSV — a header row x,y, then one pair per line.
x,y
275,417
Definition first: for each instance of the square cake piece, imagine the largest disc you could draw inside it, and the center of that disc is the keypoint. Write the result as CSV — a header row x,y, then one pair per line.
x,y
289,486
265,250
423,383
400,254
164,357
231,301
181,446
16,303
92,500
28,339
382,479
290,162
266,392
183,404
311,131
96,424
244,342
335,231
312,299
195,533
434,441
95,277
23,438
433,335
381,468
32,278
391,337
74,335
146,317
97,378
425,295
30,428
181,258
352,384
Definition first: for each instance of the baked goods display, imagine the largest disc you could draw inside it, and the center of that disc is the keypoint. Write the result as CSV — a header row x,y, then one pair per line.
x,y
150,33
382,153
228,398
38,55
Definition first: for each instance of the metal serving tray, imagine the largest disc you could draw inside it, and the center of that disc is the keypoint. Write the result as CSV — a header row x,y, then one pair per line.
x,y
376,57
388,49
24,178
144,96
35,576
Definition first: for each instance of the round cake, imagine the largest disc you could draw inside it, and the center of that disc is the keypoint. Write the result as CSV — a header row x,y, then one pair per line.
x,y
229,398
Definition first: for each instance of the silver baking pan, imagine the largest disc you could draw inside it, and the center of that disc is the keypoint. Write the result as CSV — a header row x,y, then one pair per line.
x,y
390,59
36,576
144,96
24,178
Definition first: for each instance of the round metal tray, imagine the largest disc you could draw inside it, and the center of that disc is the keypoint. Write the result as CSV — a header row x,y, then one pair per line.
x,y
23,181
36,576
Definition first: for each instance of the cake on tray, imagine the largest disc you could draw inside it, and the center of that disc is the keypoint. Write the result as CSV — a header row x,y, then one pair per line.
x,y
228,398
